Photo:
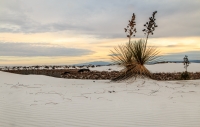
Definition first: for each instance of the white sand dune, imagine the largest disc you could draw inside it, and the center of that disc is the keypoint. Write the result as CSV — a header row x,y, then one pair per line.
x,y
42,101
165,67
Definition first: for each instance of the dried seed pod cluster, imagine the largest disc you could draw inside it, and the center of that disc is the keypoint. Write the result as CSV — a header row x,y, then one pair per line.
x,y
130,30
150,26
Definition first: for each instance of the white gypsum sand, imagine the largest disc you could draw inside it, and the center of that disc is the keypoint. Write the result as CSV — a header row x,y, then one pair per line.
x,y
42,101
163,67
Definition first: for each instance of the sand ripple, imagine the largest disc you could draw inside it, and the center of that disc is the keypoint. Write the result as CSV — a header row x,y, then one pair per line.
x,y
56,103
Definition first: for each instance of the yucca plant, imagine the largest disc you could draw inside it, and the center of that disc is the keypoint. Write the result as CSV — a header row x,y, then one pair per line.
x,y
133,56
185,75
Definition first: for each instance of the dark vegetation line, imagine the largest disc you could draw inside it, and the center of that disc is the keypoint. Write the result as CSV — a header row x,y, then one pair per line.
x,y
98,75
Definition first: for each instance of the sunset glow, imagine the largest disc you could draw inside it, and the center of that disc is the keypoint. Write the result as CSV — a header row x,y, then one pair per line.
x,y
69,32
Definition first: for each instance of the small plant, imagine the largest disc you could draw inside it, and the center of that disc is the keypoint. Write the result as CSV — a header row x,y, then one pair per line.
x,y
186,62
185,75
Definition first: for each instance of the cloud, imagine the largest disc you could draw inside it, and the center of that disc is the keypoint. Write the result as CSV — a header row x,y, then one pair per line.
x,y
103,19
113,54
40,49
171,46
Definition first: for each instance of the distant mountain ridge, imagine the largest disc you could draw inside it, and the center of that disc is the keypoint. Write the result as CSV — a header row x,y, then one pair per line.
x,y
94,63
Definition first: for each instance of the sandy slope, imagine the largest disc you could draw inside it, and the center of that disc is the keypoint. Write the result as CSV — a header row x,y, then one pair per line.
x,y
41,101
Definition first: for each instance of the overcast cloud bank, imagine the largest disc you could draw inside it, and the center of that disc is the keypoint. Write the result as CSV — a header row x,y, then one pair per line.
x,y
40,49
104,19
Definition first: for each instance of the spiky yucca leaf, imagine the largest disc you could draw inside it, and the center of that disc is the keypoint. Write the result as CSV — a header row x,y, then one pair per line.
x,y
122,55
141,53
133,56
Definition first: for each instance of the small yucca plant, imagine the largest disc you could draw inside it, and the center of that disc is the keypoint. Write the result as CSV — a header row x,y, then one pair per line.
x,y
185,75
133,56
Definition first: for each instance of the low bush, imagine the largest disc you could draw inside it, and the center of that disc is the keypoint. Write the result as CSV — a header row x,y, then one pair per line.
x,y
185,75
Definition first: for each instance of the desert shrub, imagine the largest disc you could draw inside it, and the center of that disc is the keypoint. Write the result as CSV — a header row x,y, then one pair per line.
x,y
185,75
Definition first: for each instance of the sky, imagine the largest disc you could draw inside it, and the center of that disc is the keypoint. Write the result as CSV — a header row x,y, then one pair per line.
x,y
64,32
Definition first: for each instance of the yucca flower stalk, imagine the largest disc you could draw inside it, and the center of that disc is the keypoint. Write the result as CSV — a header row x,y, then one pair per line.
x,y
150,26
130,30
133,56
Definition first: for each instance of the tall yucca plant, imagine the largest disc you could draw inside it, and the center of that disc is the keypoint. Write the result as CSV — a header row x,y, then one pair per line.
x,y
133,56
